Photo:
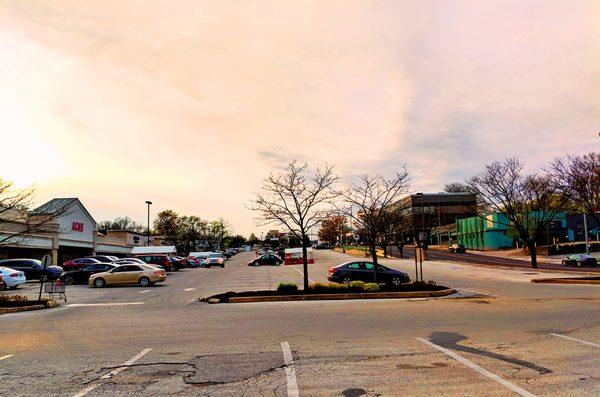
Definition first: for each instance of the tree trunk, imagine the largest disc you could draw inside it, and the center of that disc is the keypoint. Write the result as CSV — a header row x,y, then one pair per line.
x,y
401,249
374,257
533,255
304,262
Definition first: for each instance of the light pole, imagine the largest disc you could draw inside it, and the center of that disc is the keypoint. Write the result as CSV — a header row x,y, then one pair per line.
x,y
148,230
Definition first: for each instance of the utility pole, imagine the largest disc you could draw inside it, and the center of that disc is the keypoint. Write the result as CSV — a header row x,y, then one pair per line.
x,y
585,232
148,230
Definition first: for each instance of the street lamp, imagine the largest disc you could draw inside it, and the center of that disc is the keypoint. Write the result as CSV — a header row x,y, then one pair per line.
x,y
148,231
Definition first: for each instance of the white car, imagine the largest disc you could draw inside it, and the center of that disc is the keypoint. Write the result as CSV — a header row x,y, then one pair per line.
x,y
123,261
13,278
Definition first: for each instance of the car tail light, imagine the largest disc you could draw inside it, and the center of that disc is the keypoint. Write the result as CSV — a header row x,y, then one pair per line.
x,y
14,275
331,271
158,272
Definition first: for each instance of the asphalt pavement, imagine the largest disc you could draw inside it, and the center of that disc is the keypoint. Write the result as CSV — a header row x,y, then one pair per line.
x,y
516,338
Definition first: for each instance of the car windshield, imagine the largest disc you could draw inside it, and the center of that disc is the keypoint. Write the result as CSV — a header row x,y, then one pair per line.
x,y
214,256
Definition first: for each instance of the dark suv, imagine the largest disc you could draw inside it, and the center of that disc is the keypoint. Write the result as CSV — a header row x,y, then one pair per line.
x,y
33,268
156,259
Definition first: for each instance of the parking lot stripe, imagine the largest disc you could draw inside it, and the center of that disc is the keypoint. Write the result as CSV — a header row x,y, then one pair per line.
x,y
576,340
112,373
189,289
104,304
302,273
479,369
290,370
144,291
126,364
5,357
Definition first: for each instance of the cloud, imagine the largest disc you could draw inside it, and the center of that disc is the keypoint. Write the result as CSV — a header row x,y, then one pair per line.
x,y
191,103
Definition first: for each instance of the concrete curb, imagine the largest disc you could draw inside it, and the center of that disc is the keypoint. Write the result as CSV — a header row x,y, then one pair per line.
x,y
559,280
368,295
5,310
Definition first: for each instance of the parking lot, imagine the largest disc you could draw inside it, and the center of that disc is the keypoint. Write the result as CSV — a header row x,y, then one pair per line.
x,y
516,338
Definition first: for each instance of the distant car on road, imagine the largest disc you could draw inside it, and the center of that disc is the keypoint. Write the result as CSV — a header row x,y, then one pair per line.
x,y
457,249
142,275
363,271
82,275
33,268
215,259
580,260
323,246
78,263
12,278
266,259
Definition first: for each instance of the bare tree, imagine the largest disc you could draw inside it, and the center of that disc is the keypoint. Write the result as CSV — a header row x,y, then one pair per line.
x,y
369,203
529,203
297,200
578,177
16,220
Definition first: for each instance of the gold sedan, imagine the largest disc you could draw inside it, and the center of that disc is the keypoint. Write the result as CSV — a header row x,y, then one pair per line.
x,y
130,274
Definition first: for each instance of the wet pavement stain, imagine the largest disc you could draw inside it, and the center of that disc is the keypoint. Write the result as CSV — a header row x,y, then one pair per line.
x,y
354,392
450,340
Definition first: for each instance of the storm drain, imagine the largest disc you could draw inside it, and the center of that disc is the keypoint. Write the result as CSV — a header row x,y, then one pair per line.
x,y
229,368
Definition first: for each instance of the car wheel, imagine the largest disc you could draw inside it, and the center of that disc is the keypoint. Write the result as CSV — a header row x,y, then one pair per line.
x,y
13,287
222,266
396,281
144,282
578,263
347,280
2,286
99,283
255,263
279,263
69,280
564,263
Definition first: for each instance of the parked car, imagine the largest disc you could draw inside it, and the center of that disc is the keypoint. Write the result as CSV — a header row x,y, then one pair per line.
x,y
33,268
78,263
363,271
201,256
104,258
193,262
142,275
82,275
457,249
12,278
157,259
580,260
178,262
267,259
215,259
123,261
226,254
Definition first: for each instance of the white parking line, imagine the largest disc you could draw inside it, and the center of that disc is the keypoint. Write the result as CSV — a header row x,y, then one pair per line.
x,y
5,357
290,370
189,289
576,340
112,373
479,369
104,304
301,272
144,291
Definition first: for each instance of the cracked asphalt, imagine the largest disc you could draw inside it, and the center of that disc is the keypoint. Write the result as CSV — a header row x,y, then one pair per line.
x,y
176,346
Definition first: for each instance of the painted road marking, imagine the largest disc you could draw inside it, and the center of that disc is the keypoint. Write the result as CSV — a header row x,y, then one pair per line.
x,y
104,304
290,370
112,373
576,340
144,291
5,357
479,369
302,273
189,289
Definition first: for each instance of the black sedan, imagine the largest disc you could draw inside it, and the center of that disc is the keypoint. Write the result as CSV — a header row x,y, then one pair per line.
x,y
82,275
363,271
580,260
457,249
267,259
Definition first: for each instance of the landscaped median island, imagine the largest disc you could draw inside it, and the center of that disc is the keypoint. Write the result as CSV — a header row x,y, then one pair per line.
x,y
332,291
20,303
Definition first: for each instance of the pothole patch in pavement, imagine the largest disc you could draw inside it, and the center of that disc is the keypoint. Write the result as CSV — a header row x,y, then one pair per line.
x,y
229,368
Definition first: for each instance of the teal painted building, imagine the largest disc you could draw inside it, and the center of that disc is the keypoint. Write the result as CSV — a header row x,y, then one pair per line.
x,y
489,233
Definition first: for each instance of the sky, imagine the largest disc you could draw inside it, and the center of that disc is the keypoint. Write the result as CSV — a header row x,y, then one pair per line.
x,y
190,103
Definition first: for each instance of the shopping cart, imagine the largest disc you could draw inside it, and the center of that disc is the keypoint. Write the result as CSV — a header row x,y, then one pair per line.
x,y
56,288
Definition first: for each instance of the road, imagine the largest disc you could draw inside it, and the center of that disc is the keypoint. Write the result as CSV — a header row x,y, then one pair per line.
x,y
159,341
472,257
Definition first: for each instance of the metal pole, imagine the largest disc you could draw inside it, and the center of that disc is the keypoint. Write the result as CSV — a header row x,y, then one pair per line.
x,y
148,230
585,232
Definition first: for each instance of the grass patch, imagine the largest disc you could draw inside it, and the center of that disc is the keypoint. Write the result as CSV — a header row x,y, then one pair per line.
x,y
287,288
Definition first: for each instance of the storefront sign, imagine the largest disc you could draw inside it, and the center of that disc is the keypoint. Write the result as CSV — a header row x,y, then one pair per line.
x,y
77,227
